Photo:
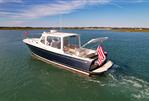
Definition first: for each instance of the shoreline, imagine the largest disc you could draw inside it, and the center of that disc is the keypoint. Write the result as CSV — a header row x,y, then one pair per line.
x,y
116,29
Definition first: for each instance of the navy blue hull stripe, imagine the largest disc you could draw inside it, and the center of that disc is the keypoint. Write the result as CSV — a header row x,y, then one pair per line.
x,y
60,65
62,59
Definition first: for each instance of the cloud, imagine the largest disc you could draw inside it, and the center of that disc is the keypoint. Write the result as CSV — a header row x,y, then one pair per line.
x,y
60,7
30,10
11,1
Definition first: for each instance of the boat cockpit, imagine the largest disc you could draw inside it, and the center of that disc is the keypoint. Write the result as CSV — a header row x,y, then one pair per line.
x,y
72,46
69,44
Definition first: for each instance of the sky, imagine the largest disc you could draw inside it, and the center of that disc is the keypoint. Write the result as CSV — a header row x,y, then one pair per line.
x,y
74,13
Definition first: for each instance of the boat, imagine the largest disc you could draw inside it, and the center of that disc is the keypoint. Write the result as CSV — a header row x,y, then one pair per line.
x,y
65,50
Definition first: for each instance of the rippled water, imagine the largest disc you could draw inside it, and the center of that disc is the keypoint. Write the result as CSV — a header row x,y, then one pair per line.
x,y
24,78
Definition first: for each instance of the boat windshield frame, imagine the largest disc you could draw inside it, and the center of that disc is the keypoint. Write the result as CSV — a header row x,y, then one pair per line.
x,y
96,40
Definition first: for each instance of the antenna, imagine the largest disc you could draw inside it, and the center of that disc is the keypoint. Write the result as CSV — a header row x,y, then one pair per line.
x,y
60,22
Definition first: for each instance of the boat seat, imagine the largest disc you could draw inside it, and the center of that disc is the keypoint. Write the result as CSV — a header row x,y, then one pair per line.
x,y
82,52
49,41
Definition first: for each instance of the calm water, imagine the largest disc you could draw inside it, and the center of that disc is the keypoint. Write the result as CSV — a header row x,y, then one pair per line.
x,y
23,78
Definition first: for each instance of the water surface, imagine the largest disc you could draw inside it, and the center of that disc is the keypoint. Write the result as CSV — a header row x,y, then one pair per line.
x,y
24,78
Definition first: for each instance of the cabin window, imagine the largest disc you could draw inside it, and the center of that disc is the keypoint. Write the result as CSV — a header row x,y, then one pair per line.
x,y
71,42
54,42
42,40
49,40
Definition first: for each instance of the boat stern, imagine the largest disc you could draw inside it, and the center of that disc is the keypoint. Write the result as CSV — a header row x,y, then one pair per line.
x,y
102,68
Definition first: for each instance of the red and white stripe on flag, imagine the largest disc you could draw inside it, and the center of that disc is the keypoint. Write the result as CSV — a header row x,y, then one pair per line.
x,y
101,55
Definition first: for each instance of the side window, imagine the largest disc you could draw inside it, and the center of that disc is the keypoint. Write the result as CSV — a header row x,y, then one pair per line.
x,y
49,40
42,40
54,42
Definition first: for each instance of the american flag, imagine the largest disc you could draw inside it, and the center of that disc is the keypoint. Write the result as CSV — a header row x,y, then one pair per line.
x,y
101,55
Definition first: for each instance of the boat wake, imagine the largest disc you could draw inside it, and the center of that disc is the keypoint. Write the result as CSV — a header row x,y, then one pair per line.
x,y
135,88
